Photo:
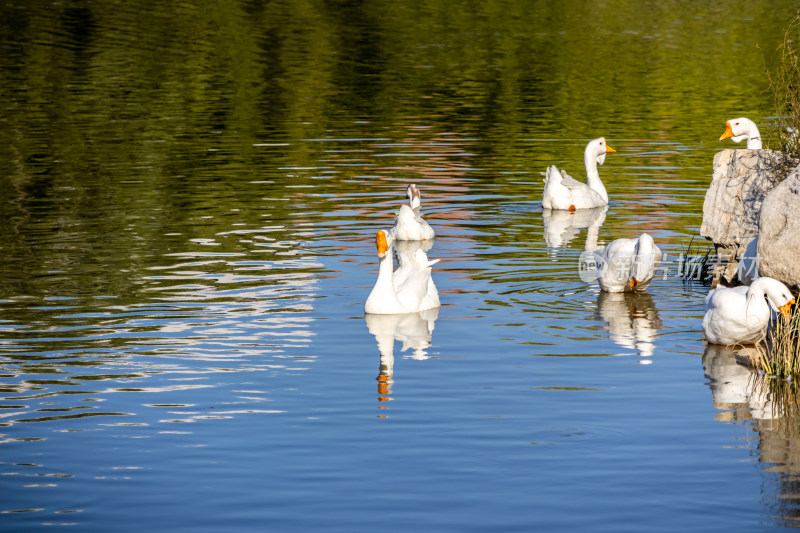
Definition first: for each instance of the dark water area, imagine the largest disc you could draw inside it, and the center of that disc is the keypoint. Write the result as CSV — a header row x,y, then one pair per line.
x,y
189,195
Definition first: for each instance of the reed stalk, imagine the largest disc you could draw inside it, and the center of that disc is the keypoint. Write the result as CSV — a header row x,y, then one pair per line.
x,y
778,355
782,397
696,266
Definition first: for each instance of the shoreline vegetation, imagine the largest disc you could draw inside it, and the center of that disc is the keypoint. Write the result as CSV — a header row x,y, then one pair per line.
x,y
775,359
778,354
784,83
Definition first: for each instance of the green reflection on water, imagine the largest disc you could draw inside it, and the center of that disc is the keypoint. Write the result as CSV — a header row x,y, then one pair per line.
x,y
213,153
137,134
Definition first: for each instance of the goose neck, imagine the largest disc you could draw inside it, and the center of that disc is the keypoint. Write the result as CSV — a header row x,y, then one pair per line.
x,y
756,299
593,176
754,143
385,268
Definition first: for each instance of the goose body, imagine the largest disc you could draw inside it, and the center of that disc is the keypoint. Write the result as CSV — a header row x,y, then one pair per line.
x,y
409,224
741,129
412,265
407,259
561,191
409,290
741,314
627,265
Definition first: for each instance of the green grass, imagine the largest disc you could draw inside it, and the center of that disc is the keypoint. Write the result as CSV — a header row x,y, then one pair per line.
x,y
777,361
778,355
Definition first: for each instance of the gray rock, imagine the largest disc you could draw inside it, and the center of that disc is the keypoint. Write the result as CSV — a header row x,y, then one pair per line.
x,y
740,182
747,270
778,247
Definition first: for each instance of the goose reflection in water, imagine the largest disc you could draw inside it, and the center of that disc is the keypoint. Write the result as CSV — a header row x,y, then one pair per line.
x,y
413,330
737,391
631,319
560,227
770,409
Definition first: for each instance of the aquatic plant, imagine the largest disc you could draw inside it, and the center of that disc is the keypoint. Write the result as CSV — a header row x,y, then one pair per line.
x,y
696,265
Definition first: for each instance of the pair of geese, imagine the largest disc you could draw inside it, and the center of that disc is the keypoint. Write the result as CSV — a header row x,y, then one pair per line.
x,y
740,315
732,315
410,288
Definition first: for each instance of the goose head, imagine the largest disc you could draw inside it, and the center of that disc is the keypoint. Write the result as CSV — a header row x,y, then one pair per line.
x,y
383,242
741,129
596,151
778,296
412,192
647,254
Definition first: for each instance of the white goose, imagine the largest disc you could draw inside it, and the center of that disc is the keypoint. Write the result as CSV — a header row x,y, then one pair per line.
x,y
740,129
407,259
561,191
414,265
741,314
409,224
410,290
627,265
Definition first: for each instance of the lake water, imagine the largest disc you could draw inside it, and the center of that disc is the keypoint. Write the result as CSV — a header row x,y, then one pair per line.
x,y
190,195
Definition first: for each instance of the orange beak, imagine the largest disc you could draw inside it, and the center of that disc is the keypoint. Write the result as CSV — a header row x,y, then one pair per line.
x,y
609,149
728,132
786,309
380,242
633,283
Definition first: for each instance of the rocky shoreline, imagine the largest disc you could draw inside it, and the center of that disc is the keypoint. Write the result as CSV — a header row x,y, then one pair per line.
x,y
750,199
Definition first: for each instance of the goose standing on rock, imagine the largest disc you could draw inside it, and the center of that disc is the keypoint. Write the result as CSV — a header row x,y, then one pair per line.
x,y
740,129
411,290
561,191
741,314
627,265
409,224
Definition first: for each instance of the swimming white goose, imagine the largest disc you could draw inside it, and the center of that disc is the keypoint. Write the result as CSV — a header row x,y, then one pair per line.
x,y
740,129
409,224
407,260
411,290
561,191
741,314
413,264
627,265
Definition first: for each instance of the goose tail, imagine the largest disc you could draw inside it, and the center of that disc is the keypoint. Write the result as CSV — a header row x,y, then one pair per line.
x,y
552,175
